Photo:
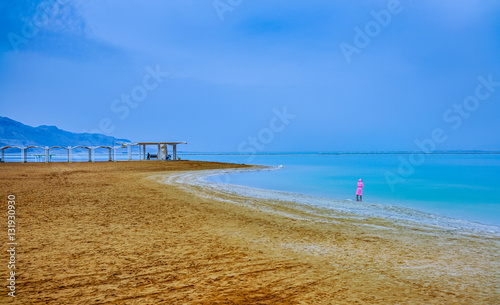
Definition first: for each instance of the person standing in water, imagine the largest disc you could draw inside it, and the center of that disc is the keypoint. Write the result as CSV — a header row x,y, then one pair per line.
x,y
359,192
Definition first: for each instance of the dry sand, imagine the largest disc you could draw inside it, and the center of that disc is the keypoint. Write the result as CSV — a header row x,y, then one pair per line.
x,y
99,233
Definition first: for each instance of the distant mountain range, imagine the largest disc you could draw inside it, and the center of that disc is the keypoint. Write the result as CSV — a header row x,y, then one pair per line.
x,y
18,134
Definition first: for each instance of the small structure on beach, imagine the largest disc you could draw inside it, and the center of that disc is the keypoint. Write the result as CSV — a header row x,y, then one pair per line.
x,y
162,151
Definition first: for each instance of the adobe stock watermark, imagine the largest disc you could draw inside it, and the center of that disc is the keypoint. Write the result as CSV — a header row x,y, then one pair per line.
x,y
224,6
11,245
364,36
265,136
45,11
122,106
454,117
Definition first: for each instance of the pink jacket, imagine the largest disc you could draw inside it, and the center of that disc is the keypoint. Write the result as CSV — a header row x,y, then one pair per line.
x,y
360,187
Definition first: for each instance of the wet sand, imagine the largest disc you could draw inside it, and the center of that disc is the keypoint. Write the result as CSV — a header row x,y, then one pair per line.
x,y
92,233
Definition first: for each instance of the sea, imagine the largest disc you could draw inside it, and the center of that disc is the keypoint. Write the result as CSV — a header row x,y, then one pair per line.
x,y
464,186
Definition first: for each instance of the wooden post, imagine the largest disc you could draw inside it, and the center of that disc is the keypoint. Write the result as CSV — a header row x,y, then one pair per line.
x,y
46,154
159,152
110,158
69,154
90,154
174,152
144,152
166,151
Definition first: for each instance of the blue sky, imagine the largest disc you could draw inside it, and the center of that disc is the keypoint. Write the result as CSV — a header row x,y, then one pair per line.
x,y
216,73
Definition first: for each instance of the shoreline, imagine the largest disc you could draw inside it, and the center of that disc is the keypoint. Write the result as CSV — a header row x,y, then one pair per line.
x,y
349,208
109,233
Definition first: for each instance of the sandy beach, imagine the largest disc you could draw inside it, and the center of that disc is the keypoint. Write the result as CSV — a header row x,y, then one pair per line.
x,y
136,233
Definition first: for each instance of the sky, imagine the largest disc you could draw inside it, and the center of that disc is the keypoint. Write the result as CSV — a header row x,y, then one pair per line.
x,y
258,76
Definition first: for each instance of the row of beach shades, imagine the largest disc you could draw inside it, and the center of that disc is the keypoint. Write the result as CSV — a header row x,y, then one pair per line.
x,y
111,151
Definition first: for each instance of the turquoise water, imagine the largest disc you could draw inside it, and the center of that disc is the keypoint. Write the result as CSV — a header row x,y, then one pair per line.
x,y
465,186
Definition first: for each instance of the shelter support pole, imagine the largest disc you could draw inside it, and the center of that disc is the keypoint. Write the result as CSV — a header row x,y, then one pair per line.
x,y
69,154
46,155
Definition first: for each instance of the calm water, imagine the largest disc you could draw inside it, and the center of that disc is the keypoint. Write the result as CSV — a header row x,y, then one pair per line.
x,y
459,186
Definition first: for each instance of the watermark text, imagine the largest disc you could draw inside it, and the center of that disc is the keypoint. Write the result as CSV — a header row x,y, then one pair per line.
x,y
11,244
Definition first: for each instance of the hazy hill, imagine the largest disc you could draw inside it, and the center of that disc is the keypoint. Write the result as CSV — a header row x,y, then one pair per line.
x,y
18,134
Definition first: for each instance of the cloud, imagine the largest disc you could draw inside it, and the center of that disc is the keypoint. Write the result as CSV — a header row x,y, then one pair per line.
x,y
459,14
52,28
231,73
